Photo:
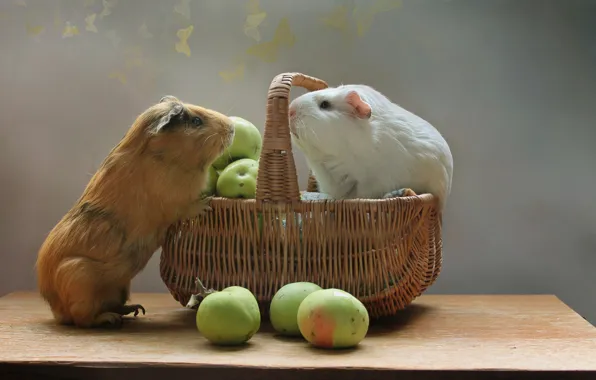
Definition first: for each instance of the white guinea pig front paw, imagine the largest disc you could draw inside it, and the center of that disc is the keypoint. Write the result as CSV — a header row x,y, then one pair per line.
x,y
405,192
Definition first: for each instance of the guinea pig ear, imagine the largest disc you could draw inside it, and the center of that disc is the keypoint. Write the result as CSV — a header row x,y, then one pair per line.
x,y
360,108
176,109
169,98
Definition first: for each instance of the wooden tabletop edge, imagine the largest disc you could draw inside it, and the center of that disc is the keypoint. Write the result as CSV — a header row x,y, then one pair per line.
x,y
182,365
32,293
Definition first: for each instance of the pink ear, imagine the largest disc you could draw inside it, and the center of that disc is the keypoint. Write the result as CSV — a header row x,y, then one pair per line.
x,y
361,109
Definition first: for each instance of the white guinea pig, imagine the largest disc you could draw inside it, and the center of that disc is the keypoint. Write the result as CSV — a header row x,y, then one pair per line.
x,y
359,144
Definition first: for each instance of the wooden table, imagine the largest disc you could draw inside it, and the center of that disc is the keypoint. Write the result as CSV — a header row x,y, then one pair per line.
x,y
438,337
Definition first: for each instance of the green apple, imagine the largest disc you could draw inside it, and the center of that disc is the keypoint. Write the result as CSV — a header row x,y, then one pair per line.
x,y
283,311
247,143
332,318
212,176
238,179
229,317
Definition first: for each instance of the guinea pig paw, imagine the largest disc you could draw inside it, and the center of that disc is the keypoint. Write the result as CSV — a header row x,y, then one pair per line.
x,y
405,192
110,320
199,208
127,309
205,209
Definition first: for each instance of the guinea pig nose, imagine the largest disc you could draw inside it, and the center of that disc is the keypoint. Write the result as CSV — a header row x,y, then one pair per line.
x,y
291,112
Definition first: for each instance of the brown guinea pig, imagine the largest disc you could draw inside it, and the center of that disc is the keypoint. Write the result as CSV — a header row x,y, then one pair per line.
x,y
151,179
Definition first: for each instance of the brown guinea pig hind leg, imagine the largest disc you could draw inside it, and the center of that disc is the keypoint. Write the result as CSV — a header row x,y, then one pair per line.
x,y
132,308
88,313
107,320
90,299
122,308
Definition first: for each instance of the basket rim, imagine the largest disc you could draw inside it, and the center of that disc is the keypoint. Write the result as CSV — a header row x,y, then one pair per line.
x,y
419,200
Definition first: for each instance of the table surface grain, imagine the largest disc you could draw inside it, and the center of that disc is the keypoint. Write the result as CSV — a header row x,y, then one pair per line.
x,y
436,333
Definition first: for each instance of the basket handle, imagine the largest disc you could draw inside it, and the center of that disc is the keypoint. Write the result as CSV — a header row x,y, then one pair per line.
x,y
277,180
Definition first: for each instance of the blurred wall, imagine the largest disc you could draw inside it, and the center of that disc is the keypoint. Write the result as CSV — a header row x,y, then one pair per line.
x,y
511,84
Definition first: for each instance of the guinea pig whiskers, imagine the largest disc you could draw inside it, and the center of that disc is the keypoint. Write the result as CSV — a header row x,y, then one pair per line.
x,y
208,137
311,131
224,145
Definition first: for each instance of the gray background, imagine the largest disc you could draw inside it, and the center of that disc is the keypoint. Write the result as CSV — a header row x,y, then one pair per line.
x,y
510,84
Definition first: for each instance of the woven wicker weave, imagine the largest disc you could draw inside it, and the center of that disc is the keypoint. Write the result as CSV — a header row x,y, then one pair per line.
x,y
385,252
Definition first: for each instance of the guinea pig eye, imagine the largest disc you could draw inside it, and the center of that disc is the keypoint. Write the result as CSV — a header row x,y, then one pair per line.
x,y
197,121
325,105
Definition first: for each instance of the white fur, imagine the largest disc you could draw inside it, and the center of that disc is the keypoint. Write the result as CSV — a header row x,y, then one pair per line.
x,y
368,158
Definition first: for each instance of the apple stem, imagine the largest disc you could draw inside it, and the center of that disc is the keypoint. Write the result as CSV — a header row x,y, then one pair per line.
x,y
203,291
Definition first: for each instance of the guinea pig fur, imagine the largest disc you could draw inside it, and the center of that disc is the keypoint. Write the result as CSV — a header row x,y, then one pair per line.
x,y
359,144
151,179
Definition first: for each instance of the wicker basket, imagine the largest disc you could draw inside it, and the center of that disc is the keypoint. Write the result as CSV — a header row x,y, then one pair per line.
x,y
384,252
